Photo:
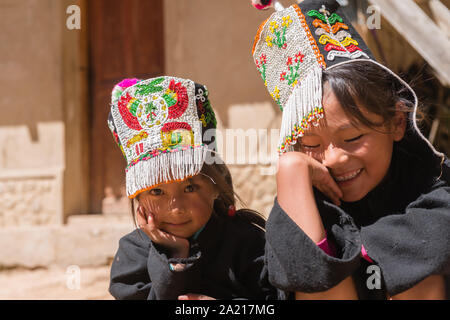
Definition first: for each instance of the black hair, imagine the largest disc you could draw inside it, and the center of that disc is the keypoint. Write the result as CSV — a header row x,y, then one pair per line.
x,y
365,84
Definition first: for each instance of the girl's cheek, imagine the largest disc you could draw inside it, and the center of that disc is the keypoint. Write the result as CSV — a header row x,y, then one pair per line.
x,y
155,208
197,204
201,204
365,150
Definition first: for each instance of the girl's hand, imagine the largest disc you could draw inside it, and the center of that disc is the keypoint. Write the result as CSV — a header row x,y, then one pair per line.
x,y
318,173
179,247
322,180
194,296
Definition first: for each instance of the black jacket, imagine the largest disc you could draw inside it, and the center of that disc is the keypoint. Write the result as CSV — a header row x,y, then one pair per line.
x,y
226,262
404,225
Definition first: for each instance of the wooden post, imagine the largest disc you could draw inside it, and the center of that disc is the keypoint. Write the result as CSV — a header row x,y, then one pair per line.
x,y
421,33
441,15
75,113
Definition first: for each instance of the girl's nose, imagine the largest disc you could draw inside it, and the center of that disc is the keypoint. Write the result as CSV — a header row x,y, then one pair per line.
x,y
176,205
334,156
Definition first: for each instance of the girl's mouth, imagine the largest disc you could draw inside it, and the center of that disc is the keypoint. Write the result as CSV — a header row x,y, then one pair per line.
x,y
348,177
181,224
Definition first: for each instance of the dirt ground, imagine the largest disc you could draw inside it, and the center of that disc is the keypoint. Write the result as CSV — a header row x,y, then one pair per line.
x,y
55,283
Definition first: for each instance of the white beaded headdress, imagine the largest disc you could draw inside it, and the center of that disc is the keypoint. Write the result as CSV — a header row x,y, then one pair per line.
x,y
159,124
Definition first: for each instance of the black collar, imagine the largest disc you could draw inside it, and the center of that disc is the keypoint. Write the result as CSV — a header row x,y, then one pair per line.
x,y
211,232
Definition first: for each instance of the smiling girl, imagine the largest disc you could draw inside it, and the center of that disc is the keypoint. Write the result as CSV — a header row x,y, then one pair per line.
x,y
363,199
190,243
366,180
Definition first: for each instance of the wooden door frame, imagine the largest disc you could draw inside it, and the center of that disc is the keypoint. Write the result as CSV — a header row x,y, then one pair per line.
x,y
75,101
137,25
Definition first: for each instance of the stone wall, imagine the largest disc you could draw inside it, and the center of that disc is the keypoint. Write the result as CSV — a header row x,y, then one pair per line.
x,y
42,172
250,150
31,175
31,122
86,240
30,198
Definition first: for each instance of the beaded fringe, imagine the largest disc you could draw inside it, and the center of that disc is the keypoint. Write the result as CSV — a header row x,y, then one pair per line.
x,y
174,166
301,109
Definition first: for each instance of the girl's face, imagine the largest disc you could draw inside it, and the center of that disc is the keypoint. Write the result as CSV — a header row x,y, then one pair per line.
x,y
181,208
357,157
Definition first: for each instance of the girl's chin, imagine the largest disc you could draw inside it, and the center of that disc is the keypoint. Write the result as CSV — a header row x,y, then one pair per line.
x,y
355,189
353,196
177,233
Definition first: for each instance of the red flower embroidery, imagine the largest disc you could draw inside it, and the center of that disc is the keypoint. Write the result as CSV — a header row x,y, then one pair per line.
x,y
282,76
289,62
263,58
299,57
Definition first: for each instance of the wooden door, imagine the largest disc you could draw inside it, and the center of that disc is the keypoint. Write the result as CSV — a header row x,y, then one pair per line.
x,y
125,41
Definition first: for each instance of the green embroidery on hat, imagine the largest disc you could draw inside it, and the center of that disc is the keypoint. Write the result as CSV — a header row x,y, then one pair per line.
x,y
149,110
175,138
333,18
293,75
145,89
170,100
133,107
210,118
274,27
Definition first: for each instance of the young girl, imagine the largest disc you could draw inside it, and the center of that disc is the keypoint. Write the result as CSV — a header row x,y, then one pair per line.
x,y
363,199
191,242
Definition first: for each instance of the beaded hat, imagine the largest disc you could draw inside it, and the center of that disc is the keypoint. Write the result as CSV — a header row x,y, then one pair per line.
x,y
159,125
293,47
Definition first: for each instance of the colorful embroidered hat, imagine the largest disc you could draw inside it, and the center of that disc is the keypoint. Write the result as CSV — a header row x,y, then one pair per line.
x,y
159,125
292,48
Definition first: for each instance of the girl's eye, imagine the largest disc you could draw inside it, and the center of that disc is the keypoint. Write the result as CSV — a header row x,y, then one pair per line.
x,y
156,192
189,188
310,147
354,139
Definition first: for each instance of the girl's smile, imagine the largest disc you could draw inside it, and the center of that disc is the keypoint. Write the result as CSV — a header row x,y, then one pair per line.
x,y
347,178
